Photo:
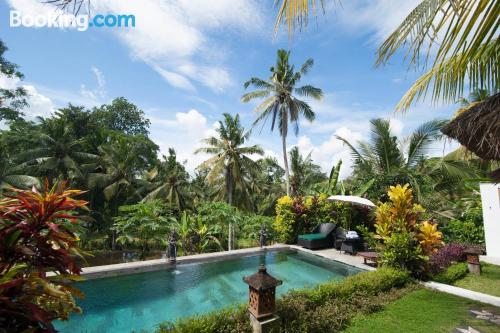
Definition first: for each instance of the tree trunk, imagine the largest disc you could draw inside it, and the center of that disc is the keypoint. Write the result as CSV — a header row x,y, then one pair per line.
x,y
229,188
285,159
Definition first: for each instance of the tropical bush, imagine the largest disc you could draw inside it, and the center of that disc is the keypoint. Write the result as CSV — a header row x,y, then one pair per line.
x,y
446,256
404,240
451,274
38,234
402,250
298,215
251,226
144,226
326,308
468,226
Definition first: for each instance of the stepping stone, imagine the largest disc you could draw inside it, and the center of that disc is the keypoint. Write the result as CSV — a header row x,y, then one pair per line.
x,y
466,330
476,312
495,321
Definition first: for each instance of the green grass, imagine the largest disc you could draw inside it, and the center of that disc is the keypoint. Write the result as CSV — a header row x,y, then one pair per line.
x,y
424,311
488,282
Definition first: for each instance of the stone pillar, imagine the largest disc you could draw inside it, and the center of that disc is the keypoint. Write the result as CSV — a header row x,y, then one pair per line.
x,y
266,325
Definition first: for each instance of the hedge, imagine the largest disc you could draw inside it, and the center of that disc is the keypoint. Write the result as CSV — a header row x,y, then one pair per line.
x,y
451,274
326,308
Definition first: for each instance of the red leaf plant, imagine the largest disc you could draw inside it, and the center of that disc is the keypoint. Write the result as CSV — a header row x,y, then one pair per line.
x,y
37,235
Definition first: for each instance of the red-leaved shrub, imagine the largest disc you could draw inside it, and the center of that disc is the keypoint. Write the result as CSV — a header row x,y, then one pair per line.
x,y
37,235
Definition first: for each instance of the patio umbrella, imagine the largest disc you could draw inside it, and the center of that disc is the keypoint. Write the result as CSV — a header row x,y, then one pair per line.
x,y
352,199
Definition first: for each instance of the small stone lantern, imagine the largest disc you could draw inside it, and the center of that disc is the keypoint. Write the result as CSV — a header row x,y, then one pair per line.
x,y
473,260
262,300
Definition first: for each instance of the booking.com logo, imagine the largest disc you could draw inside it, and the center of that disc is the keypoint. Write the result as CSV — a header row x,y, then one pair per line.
x,y
68,21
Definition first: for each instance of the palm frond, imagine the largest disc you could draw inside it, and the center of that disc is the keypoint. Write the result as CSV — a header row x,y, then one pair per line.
x,y
309,91
421,138
354,152
450,77
258,83
295,13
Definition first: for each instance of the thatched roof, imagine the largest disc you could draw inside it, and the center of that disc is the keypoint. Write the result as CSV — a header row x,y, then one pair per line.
x,y
478,128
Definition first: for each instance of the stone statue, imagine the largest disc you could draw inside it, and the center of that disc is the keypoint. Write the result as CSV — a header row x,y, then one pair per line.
x,y
263,236
172,247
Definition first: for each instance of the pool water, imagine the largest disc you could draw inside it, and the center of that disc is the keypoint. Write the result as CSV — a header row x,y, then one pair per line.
x,y
142,301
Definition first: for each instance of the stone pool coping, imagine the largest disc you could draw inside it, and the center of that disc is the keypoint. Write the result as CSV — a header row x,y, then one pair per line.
x,y
96,272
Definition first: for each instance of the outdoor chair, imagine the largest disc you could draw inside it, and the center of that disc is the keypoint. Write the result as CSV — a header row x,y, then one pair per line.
x,y
322,236
340,235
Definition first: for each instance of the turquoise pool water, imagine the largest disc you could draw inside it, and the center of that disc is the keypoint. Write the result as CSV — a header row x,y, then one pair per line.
x,y
141,301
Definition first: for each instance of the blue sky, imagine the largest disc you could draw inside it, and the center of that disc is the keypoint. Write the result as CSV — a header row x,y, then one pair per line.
x,y
185,63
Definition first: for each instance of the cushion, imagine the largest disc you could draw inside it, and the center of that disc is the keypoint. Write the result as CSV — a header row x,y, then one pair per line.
x,y
312,236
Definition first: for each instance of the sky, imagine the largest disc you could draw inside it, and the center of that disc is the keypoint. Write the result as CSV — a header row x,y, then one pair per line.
x,y
185,62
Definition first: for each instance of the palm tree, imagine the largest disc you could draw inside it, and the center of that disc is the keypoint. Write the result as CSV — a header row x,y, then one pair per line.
x,y
170,182
121,160
59,155
280,102
231,165
304,172
402,160
11,176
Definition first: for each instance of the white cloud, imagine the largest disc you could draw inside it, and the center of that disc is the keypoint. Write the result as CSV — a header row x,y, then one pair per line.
x,y
379,17
39,104
98,94
175,79
173,36
184,133
329,152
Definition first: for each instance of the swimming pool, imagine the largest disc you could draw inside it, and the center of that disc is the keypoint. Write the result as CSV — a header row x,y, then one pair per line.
x,y
144,300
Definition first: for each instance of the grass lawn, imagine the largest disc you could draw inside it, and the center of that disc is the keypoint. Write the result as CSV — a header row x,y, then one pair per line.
x,y
424,311
488,282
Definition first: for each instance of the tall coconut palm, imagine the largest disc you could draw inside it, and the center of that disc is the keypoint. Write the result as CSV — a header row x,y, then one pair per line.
x,y
231,164
58,155
304,172
121,160
170,182
280,103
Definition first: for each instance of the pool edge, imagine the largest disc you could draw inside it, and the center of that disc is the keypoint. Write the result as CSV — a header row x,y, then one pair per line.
x,y
97,272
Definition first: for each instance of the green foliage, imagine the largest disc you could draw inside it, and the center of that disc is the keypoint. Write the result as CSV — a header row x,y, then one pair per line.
x,y
144,226
169,181
286,220
295,216
401,250
122,116
304,173
404,240
12,101
231,170
326,308
466,232
451,274
468,227
247,225
197,236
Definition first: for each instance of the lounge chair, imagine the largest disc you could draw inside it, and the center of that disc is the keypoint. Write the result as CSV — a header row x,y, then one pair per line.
x,y
322,236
